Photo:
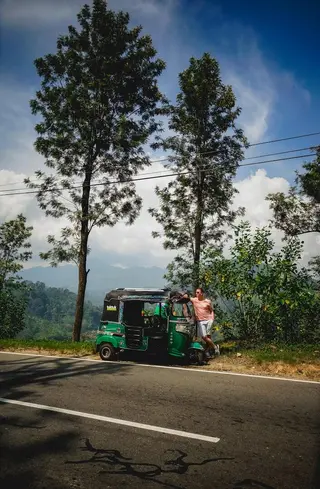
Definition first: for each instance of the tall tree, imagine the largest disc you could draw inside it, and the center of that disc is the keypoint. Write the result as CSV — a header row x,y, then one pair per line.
x,y
15,249
99,102
298,212
206,150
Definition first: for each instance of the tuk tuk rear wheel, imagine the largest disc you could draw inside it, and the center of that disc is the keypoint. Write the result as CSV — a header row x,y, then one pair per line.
x,y
107,352
195,357
200,357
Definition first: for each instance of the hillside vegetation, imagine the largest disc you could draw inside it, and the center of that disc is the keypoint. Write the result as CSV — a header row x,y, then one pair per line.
x,y
50,314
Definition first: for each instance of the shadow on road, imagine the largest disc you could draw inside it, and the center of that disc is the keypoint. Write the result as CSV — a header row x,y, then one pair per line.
x,y
22,451
27,371
316,475
37,461
251,484
113,462
22,454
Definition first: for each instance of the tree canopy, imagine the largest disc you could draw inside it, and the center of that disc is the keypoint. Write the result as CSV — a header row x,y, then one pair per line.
x,y
98,104
298,212
205,150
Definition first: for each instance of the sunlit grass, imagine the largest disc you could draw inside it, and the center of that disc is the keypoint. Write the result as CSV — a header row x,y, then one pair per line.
x,y
81,348
290,354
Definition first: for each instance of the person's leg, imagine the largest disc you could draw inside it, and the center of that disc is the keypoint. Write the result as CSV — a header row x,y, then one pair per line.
x,y
209,343
202,333
214,347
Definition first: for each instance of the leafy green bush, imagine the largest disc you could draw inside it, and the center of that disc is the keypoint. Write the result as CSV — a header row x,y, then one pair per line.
x,y
262,295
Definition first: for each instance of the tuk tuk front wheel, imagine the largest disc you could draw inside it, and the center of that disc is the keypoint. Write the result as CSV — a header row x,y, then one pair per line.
x,y
107,352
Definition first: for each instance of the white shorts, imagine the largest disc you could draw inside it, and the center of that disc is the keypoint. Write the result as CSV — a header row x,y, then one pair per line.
x,y
204,328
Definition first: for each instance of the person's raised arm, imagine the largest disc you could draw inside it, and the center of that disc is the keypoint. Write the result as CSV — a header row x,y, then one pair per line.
x,y
186,295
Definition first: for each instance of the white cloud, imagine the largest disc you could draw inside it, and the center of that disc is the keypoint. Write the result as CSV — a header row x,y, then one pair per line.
x,y
267,93
258,86
254,86
256,97
253,191
35,14
11,205
17,128
136,240
29,14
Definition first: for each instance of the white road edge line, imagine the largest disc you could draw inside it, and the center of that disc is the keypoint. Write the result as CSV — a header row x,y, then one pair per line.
x,y
106,419
183,369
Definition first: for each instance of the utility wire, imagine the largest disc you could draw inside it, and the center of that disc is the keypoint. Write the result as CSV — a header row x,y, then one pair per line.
x,y
166,159
158,176
285,139
214,152
278,154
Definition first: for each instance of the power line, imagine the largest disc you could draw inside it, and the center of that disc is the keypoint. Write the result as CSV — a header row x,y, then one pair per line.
x,y
278,153
166,159
159,176
279,159
286,139
215,152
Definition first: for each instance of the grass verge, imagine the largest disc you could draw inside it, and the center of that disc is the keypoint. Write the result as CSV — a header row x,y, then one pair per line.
x,y
82,348
293,361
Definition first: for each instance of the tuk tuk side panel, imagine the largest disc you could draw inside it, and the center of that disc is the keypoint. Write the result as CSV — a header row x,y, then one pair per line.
x,y
178,342
115,341
115,333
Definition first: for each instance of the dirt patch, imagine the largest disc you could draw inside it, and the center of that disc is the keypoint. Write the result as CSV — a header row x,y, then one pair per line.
x,y
243,364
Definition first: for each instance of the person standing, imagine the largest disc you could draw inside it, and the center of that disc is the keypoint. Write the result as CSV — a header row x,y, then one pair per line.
x,y
204,315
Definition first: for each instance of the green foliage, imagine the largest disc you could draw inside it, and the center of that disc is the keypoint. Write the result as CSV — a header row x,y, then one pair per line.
x,y
12,311
265,297
50,313
14,247
99,101
299,212
310,180
14,250
205,152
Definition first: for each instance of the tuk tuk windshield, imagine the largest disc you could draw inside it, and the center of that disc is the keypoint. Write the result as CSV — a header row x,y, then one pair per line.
x,y
145,314
183,310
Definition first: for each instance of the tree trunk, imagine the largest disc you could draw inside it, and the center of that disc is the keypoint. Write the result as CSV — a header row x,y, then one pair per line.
x,y
82,267
196,260
198,232
82,284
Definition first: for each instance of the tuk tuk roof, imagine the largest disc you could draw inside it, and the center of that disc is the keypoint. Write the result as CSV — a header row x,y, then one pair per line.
x,y
137,294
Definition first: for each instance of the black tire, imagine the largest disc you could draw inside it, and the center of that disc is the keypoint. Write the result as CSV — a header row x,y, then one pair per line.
x,y
107,352
200,357
195,357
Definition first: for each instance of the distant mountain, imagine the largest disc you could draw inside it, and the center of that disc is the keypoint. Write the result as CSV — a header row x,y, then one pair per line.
x,y
100,279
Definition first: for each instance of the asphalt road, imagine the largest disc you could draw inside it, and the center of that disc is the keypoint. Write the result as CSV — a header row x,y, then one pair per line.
x,y
268,430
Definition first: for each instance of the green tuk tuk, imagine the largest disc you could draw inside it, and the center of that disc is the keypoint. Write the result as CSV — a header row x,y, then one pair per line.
x,y
153,321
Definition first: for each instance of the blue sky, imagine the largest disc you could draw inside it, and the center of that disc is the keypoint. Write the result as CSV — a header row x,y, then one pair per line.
x,y
268,52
